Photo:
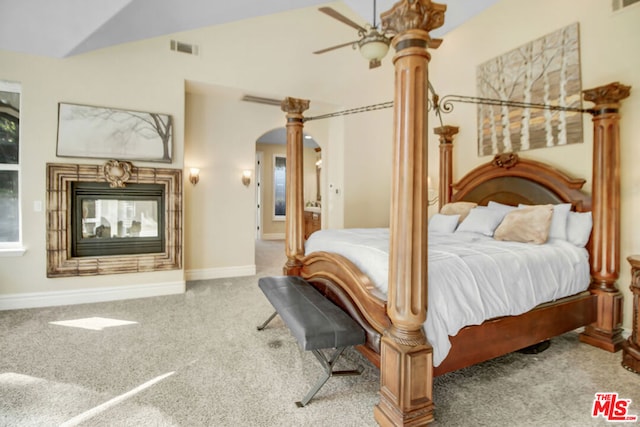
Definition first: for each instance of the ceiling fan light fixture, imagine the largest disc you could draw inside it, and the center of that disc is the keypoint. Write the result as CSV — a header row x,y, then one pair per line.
x,y
374,46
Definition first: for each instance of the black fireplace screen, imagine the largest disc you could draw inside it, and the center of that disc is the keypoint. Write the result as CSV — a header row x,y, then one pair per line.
x,y
116,221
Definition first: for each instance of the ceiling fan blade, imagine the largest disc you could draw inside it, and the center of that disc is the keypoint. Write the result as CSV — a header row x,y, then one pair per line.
x,y
340,17
334,47
374,63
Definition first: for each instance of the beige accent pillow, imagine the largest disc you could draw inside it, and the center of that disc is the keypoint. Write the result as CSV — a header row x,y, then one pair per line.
x,y
527,225
458,208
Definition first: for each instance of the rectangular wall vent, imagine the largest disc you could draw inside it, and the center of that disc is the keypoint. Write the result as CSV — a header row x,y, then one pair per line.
x,y
620,4
190,49
262,100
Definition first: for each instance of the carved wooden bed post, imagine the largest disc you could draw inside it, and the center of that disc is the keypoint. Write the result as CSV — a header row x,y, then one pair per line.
x,y
406,369
605,237
446,134
294,233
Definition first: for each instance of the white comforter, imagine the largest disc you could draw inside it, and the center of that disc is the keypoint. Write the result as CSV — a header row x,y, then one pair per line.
x,y
472,277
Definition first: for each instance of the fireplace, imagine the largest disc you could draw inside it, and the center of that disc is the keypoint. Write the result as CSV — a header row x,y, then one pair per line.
x,y
112,218
116,221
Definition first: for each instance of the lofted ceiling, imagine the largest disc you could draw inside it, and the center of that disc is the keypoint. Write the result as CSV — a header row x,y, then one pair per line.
x,y
63,28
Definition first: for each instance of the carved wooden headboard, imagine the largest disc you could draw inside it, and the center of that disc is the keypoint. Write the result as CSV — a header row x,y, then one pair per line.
x,y
511,180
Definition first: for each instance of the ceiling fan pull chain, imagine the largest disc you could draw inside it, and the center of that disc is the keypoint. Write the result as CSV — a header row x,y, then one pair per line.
x,y
374,15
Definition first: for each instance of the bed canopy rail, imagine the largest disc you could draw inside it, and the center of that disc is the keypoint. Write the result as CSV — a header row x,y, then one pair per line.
x,y
406,362
446,103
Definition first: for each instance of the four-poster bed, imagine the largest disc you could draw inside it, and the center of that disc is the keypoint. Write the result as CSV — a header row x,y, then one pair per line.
x,y
395,338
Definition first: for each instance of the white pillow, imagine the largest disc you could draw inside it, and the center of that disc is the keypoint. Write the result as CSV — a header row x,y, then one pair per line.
x,y
500,206
558,229
483,221
443,223
579,226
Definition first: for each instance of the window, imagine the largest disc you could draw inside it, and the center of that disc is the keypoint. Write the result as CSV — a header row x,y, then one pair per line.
x,y
279,187
10,236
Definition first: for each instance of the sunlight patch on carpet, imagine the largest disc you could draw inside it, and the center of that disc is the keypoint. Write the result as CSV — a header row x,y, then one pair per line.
x,y
31,401
93,323
78,419
11,378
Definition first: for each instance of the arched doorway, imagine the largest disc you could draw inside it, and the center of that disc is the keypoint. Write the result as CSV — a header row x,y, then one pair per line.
x,y
270,184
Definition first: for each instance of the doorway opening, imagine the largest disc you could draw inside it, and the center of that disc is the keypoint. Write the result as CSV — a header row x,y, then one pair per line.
x,y
271,151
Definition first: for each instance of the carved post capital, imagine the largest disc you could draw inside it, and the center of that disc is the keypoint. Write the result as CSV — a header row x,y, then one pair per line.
x,y
446,133
413,15
295,106
607,95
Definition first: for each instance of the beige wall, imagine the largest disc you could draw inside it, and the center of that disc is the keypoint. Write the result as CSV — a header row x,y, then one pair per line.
x,y
95,79
219,210
220,216
367,153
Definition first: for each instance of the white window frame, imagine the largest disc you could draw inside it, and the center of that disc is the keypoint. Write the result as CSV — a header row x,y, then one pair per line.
x,y
14,248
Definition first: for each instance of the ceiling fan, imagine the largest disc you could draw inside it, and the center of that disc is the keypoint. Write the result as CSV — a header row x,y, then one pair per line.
x,y
373,44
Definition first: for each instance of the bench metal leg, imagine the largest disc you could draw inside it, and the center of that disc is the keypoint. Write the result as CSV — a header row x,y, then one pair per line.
x,y
327,364
264,325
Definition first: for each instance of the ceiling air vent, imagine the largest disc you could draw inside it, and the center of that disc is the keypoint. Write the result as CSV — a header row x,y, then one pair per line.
x,y
620,4
262,100
190,49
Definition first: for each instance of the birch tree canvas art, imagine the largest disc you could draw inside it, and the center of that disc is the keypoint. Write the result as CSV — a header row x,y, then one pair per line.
x,y
97,132
545,71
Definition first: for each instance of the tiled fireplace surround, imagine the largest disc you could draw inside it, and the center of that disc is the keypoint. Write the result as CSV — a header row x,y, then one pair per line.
x,y
60,263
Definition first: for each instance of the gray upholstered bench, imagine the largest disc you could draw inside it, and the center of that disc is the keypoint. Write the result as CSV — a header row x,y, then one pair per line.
x,y
314,321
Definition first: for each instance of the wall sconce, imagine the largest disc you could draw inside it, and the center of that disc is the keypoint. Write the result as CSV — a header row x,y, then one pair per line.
x,y
194,175
246,177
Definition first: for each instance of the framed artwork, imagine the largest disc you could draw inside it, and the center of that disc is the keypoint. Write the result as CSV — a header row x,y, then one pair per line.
x,y
545,71
110,133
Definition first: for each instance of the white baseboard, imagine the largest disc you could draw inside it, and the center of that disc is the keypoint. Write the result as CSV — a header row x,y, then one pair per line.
x,y
220,273
273,236
85,296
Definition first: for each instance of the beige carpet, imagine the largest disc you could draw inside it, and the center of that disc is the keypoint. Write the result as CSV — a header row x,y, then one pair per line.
x,y
197,360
